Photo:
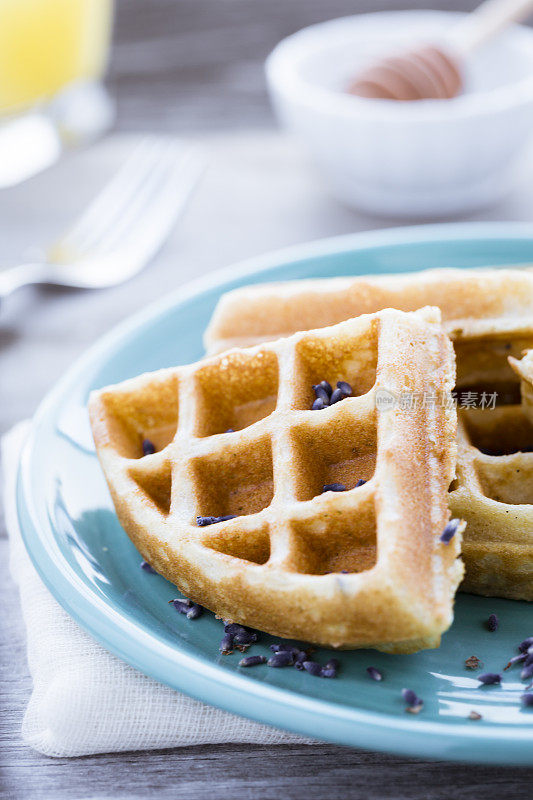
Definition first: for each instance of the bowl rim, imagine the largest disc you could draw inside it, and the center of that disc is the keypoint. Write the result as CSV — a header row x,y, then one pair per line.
x,y
282,68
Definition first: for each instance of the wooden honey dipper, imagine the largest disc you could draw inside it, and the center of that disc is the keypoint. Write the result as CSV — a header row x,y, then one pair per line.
x,y
433,71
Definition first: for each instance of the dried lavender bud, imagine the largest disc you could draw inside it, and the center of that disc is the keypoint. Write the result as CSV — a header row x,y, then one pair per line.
x,y
285,648
490,678
148,447
359,483
318,404
345,388
252,661
301,656
526,644
148,568
312,667
374,673
526,673
233,627
449,531
492,623
322,393
333,487
411,698
327,386
527,699
183,606
245,637
336,396
281,659
333,663
195,611
226,645
328,672
203,521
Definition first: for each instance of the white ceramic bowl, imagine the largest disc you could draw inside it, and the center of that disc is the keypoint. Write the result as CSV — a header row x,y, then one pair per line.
x,y
427,158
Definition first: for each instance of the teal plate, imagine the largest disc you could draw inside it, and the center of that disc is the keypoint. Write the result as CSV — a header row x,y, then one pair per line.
x,y
89,564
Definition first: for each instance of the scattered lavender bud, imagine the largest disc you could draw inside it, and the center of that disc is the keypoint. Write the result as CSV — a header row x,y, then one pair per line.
x,y
230,430
526,644
492,623
226,645
337,396
318,404
327,386
526,673
312,667
328,672
374,673
333,663
183,606
285,648
490,678
411,698
301,656
245,637
527,699
195,611
333,487
252,661
148,568
359,483
345,388
203,521
322,393
148,447
281,659
449,531
233,628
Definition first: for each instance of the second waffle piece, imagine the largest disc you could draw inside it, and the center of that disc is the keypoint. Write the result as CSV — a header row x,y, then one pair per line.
x,y
232,509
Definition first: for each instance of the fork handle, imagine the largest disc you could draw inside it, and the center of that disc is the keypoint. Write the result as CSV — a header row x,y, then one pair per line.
x,y
21,275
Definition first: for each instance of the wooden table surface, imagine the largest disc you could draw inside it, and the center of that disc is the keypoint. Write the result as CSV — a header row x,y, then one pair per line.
x,y
191,67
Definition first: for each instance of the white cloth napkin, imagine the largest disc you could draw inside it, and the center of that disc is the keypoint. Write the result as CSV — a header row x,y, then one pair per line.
x,y
84,699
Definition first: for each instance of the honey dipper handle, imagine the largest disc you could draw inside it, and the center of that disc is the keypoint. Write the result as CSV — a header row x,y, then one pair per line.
x,y
486,21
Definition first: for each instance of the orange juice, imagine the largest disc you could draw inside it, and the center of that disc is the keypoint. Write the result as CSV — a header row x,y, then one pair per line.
x,y
47,44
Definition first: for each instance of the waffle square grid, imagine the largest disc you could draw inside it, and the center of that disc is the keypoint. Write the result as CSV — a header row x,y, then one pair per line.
x,y
354,568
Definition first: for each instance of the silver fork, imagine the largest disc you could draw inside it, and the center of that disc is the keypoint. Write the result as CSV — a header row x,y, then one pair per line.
x,y
123,227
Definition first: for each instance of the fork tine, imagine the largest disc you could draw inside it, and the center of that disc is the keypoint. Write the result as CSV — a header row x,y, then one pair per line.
x,y
167,177
109,203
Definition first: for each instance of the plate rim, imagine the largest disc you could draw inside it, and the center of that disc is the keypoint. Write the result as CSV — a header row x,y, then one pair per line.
x,y
377,730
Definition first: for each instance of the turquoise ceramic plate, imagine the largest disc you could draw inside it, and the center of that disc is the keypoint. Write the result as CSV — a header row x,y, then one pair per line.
x,y
89,564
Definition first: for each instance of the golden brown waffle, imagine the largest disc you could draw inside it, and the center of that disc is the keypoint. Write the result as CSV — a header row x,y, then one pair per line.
x,y
494,490
494,493
489,316
362,567
486,312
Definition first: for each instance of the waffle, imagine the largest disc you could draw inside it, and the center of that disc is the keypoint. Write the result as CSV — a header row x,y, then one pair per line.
x,y
494,490
488,315
354,568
